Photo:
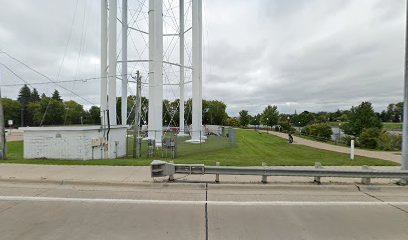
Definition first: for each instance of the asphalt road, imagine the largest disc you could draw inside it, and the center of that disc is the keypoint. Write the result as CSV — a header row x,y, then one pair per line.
x,y
200,211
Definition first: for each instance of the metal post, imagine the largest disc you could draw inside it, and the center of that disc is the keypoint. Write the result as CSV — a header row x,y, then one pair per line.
x,y
352,150
181,35
217,176
112,61
136,129
264,177
404,155
124,61
2,131
104,62
365,180
171,176
317,179
155,70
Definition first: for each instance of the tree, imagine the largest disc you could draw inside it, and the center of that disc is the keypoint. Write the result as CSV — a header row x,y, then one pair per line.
x,y
322,130
214,112
233,122
56,96
73,113
48,111
244,118
305,118
11,110
256,120
35,97
94,115
361,117
270,116
369,138
24,97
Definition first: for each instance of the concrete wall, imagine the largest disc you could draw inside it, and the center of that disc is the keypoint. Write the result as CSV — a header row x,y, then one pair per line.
x,y
72,142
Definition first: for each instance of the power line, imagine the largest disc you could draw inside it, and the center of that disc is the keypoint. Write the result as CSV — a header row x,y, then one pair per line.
x,y
18,76
45,76
84,80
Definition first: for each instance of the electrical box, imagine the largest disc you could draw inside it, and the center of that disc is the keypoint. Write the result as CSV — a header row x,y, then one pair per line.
x,y
96,142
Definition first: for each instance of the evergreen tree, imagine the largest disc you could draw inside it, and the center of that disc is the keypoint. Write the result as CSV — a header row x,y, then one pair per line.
x,y
24,96
43,96
35,97
56,96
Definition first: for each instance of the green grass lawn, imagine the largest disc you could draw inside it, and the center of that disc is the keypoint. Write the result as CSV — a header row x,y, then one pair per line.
x,y
392,126
252,149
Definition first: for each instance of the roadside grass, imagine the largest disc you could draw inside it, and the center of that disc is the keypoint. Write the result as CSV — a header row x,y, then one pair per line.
x,y
392,126
252,149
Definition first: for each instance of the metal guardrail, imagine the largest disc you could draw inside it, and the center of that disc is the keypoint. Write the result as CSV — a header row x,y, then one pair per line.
x,y
163,169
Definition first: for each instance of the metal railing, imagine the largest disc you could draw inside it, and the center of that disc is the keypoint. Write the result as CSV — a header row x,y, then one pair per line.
x,y
163,169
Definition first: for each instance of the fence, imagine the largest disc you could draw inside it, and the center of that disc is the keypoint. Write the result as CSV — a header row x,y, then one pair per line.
x,y
169,143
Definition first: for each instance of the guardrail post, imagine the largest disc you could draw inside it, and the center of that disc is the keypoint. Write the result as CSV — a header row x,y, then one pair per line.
x,y
317,179
365,180
352,150
217,176
264,179
171,176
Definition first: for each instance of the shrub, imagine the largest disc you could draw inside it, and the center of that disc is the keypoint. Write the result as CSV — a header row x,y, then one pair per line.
x,y
369,138
389,142
321,130
347,140
285,127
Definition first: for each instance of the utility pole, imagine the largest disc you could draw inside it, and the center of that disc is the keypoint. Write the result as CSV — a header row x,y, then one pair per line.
x,y
138,106
2,131
404,154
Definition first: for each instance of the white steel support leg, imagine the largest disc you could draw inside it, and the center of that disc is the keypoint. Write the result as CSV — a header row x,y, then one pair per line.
x,y
200,52
155,70
404,157
124,61
196,111
104,61
182,75
112,61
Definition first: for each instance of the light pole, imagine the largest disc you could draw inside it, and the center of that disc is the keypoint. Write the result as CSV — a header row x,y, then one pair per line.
x,y
338,139
255,124
288,124
267,125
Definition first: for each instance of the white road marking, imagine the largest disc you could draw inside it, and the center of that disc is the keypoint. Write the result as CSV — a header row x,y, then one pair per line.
x,y
181,202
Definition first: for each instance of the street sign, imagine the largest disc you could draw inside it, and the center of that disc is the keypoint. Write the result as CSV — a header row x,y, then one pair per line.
x,y
10,122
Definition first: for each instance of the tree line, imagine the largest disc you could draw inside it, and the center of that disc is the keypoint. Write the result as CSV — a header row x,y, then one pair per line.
x,y
31,109
360,123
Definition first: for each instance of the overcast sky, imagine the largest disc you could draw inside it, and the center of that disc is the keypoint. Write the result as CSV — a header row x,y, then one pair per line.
x,y
316,55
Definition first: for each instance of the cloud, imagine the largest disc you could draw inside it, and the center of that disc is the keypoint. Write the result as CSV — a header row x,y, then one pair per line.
x,y
314,55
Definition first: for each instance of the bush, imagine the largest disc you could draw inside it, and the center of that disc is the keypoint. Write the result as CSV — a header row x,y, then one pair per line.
x,y
369,138
321,130
285,127
347,140
389,142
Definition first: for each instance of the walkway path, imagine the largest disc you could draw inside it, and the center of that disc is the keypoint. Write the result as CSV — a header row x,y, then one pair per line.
x,y
360,152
